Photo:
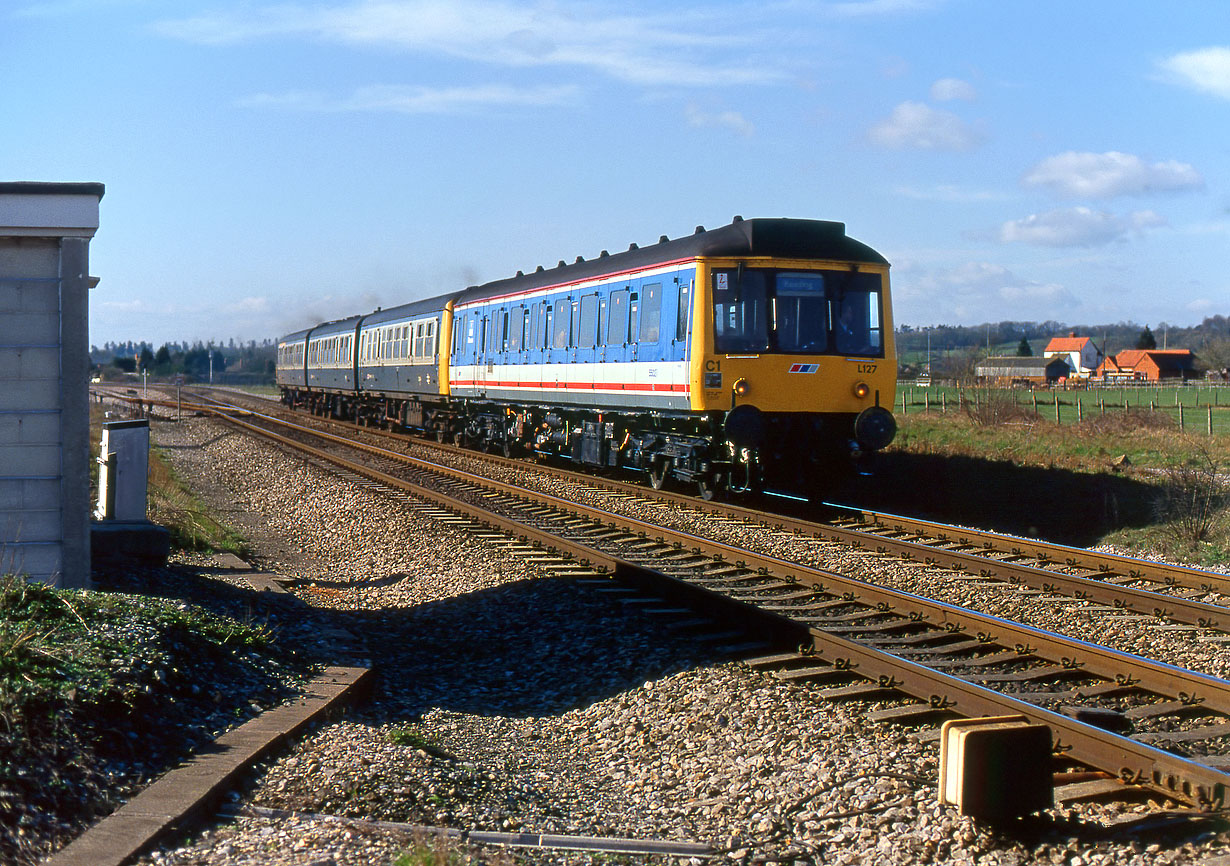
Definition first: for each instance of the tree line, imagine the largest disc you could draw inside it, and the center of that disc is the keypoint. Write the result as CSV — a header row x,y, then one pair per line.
x,y
954,350
195,360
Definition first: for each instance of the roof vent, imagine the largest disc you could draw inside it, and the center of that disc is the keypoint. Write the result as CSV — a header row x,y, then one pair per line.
x,y
539,269
520,273
579,260
700,230
561,264
603,254
737,219
632,247
663,239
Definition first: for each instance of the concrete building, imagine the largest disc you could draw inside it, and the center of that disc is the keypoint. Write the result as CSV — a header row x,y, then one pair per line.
x,y
45,232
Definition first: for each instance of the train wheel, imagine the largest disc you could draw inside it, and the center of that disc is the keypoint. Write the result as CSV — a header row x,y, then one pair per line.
x,y
658,471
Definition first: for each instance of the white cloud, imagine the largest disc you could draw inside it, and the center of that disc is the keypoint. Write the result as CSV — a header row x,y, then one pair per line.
x,y
1106,175
948,89
1076,227
977,292
918,126
409,99
663,50
1205,69
731,120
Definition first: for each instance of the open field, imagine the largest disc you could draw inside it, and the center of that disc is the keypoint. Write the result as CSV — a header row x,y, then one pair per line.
x,y
1190,408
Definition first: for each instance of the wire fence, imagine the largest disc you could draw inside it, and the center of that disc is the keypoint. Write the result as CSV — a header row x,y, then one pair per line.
x,y
1192,408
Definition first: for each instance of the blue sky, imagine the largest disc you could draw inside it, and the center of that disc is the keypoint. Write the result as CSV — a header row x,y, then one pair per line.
x,y
270,165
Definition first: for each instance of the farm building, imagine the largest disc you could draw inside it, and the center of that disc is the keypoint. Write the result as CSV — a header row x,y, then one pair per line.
x,y
1081,354
1014,370
1148,365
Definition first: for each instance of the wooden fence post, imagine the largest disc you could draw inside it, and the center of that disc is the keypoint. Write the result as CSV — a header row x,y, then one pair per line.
x,y
1180,417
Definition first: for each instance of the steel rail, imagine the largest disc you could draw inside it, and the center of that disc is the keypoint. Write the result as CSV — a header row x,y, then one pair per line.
x,y
1132,761
1108,564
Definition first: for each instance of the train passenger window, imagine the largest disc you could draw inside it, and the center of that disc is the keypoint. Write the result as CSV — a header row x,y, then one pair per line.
x,y
575,323
527,327
547,316
602,317
801,313
405,340
651,313
617,327
516,325
563,321
587,321
684,311
634,318
740,311
429,344
502,346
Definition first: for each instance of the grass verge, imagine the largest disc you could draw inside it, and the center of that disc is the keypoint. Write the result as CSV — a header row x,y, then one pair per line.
x,y
101,691
1131,479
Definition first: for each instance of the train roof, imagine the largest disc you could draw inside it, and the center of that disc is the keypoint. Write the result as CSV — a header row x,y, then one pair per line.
x,y
787,238
408,311
341,326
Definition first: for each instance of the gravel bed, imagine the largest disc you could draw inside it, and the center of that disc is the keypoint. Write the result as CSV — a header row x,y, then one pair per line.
x,y
511,700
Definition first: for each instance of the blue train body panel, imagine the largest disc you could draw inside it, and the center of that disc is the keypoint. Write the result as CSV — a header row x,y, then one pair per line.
x,y
617,340
399,350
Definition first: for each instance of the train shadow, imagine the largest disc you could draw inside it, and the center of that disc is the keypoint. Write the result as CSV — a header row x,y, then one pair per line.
x,y
528,648
1076,508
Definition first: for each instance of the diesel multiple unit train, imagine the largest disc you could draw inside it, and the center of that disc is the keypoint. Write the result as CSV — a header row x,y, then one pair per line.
x,y
758,355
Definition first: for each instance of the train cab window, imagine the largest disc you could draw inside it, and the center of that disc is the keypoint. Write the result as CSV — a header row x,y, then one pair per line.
x,y
800,310
684,311
856,323
740,311
651,313
617,326
563,321
587,322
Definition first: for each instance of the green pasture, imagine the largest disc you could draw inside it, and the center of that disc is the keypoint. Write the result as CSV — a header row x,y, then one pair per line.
x,y
1189,408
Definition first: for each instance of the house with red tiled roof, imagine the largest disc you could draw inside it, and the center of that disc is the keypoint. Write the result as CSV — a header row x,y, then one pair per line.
x,y
1148,365
1081,354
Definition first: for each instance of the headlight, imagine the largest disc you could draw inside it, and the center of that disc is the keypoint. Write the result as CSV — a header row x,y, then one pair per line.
x,y
741,387
861,390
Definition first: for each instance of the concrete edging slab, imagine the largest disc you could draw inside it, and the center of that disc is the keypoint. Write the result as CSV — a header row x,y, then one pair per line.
x,y
187,792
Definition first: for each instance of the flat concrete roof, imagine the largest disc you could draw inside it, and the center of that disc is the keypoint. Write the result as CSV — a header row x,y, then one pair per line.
x,y
38,209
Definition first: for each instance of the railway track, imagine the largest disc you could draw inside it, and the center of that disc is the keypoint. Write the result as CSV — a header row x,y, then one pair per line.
x,y
862,640
1125,585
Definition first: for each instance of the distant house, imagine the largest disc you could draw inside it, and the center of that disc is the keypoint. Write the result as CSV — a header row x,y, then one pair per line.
x,y
1083,356
1148,365
1013,370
